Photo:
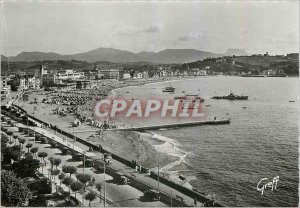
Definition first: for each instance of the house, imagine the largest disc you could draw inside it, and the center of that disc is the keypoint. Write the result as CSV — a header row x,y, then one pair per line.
x,y
145,75
23,85
269,72
126,76
202,72
138,75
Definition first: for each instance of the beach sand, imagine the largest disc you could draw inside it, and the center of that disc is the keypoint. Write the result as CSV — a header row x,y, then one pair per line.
x,y
128,145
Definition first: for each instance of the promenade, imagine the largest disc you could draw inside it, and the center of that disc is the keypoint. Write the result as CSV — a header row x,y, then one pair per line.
x,y
119,198
116,194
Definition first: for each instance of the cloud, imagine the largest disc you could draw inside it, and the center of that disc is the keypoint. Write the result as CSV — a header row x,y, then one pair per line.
x,y
126,30
152,29
192,36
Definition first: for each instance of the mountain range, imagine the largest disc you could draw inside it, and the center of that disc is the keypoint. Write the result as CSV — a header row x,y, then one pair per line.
x,y
167,56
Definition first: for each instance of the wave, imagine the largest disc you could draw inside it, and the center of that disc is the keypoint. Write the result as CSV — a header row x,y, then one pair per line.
x,y
169,147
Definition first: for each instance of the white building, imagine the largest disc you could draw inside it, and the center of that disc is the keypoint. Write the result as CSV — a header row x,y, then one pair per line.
x,y
109,74
70,74
126,76
138,75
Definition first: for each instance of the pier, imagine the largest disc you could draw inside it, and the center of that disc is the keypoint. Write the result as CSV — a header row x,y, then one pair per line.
x,y
175,125
165,126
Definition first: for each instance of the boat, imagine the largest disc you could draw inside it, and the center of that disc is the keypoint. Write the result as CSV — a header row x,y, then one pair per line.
x,y
231,96
189,98
168,89
292,101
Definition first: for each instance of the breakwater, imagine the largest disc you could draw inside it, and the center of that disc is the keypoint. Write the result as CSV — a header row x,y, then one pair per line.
x,y
175,125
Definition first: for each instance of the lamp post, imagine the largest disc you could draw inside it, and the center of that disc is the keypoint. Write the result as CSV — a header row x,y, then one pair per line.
x,y
27,129
74,139
84,152
104,203
104,186
158,172
34,109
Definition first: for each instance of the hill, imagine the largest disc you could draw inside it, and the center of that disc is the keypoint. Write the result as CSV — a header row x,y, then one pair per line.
x,y
105,54
167,56
4,58
179,56
36,56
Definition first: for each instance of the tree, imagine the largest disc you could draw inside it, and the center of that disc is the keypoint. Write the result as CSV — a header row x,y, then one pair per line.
x,y
42,155
22,142
76,186
67,181
90,197
14,191
15,138
28,146
61,177
69,169
99,187
55,172
26,167
34,150
15,155
84,178
4,141
54,161
9,133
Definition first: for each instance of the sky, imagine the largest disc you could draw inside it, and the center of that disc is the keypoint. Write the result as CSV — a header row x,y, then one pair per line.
x,y
214,26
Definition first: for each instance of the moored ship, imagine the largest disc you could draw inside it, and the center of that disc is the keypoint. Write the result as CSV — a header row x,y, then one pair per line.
x,y
168,89
232,96
189,98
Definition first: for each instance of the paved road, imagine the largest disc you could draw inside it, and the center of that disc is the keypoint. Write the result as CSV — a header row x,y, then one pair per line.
x,y
120,195
121,167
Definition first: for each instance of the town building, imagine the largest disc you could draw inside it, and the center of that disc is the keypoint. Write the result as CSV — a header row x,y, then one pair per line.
x,y
83,84
39,73
109,74
126,76
70,74
49,80
5,88
29,83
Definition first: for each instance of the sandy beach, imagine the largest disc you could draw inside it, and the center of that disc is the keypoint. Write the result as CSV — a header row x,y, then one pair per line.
x,y
130,145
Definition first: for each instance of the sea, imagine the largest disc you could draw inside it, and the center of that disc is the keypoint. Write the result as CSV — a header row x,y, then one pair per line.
x,y
228,161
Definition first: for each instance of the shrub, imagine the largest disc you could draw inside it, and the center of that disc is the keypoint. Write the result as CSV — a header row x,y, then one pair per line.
x,y
14,191
26,167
